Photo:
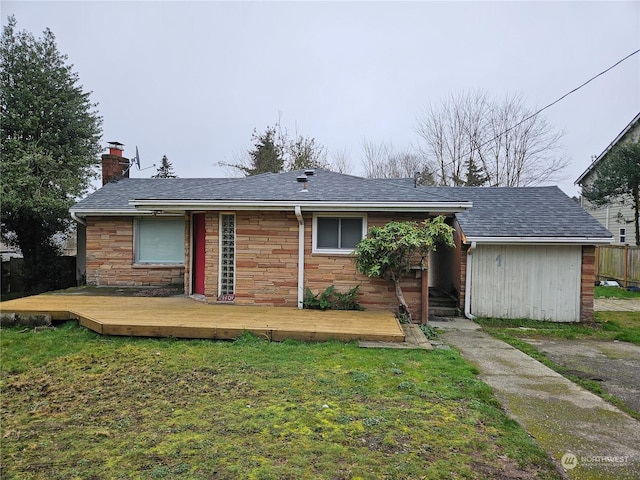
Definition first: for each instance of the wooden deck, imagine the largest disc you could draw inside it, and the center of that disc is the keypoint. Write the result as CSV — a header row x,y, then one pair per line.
x,y
183,317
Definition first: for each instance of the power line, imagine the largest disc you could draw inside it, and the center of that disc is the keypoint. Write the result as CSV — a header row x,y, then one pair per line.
x,y
544,108
564,96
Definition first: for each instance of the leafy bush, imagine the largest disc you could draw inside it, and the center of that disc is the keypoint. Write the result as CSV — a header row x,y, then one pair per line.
x,y
331,299
429,331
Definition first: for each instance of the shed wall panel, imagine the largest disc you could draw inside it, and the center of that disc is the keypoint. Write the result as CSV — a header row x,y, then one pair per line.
x,y
541,282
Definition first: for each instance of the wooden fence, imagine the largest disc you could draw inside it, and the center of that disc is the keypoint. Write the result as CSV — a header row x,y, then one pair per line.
x,y
620,263
63,270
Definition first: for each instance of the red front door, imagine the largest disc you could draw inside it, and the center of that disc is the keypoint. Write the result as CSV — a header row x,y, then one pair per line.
x,y
198,253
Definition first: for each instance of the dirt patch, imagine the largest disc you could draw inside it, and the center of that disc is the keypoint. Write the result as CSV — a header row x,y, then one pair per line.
x,y
616,365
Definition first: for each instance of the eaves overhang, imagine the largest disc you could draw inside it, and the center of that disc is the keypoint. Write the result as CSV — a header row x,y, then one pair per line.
x,y
538,240
110,212
208,205
597,160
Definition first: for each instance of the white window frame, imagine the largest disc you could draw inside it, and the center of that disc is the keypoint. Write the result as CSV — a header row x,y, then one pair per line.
x,y
235,252
622,235
136,240
335,251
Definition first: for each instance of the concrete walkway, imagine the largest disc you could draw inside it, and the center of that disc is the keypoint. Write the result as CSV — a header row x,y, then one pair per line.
x,y
587,436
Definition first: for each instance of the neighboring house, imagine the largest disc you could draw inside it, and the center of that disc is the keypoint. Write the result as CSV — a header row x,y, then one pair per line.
x,y
262,240
617,218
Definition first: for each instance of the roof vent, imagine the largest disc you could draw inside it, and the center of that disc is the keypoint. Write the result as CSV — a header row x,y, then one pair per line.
x,y
309,172
303,180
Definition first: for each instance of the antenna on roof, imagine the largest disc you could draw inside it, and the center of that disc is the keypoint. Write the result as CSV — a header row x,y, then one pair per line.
x,y
136,159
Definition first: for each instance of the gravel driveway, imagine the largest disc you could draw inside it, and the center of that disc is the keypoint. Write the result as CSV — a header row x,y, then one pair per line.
x,y
615,364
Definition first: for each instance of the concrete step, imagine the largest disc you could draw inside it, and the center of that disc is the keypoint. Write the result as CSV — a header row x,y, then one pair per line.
x,y
439,311
443,302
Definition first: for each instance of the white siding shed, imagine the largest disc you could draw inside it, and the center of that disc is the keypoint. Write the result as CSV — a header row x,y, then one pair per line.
x,y
540,282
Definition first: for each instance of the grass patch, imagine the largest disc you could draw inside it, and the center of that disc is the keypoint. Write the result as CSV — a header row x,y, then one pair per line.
x,y
78,405
622,326
614,292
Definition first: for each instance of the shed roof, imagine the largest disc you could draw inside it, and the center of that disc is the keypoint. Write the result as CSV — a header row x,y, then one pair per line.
x,y
520,213
524,213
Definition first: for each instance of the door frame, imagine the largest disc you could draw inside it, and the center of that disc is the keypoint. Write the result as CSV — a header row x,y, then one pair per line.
x,y
198,253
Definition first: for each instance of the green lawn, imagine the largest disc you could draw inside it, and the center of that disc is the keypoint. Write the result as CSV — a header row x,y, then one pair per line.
x,y
623,326
78,405
614,292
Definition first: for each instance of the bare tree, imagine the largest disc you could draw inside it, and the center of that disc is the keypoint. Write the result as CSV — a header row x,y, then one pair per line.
x,y
522,148
381,160
504,141
340,162
450,134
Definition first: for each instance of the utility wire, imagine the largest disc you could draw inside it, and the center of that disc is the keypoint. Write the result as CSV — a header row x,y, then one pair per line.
x,y
568,93
550,105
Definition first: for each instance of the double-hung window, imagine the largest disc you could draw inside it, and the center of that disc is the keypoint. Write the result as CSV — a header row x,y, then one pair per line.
x,y
159,240
338,234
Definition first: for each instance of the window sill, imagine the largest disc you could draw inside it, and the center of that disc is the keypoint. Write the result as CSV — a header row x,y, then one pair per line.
x,y
158,265
333,253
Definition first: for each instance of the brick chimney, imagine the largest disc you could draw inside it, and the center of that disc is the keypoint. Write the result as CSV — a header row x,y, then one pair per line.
x,y
114,165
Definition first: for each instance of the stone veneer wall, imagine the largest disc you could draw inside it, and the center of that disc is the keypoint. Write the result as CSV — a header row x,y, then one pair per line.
x,y
587,283
110,260
322,270
267,264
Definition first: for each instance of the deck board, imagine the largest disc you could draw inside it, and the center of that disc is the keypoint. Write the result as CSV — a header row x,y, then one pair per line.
x,y
182,317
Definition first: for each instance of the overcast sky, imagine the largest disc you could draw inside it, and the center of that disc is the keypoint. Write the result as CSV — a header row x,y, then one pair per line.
x,y
193,79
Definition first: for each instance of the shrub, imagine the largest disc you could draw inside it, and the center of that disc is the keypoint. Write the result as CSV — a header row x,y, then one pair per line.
x,y
331,299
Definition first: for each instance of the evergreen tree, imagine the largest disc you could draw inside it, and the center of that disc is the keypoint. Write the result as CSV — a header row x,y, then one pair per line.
x,y
617,180
50,138
165,170
476,177
273,151
266,155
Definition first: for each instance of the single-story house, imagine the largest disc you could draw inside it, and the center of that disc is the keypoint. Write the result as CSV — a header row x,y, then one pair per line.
x,y
264,239
617,217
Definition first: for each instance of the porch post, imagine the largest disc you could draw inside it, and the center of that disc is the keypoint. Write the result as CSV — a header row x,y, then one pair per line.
x,y
424,318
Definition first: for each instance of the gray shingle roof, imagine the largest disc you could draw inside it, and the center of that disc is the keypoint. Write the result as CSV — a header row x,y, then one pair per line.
x,y
496,211
523,212
324,186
